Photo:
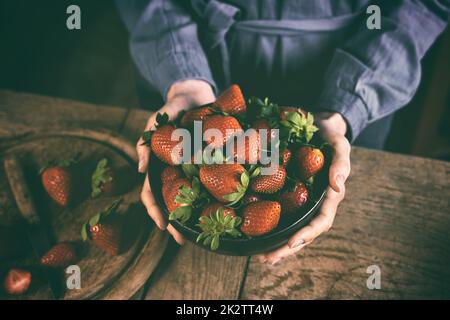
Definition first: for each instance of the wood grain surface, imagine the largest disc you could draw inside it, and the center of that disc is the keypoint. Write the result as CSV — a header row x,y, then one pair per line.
x,y
396,215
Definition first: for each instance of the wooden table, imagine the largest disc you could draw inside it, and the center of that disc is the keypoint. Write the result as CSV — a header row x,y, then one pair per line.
x,y
396,215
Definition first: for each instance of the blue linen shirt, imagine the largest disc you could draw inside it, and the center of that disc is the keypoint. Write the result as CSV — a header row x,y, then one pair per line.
x,y
315,53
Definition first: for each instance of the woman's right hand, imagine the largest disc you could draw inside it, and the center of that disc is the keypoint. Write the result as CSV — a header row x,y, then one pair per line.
x,y
183,95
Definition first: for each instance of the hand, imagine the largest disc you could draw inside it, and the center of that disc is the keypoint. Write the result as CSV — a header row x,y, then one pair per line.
x,y
183,95
333,128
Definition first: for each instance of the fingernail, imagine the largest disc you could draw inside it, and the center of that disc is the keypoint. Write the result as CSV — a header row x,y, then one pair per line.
x,y
297,243
340,181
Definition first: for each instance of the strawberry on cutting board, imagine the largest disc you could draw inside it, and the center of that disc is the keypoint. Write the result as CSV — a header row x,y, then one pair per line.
x,y
102,179
58,182
226,182
293,200
309,161
216,221
17,281
260,217
231,101
105,231
60,256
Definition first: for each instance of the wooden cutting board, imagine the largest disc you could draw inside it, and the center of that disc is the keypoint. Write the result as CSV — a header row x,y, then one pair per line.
x,y
102,276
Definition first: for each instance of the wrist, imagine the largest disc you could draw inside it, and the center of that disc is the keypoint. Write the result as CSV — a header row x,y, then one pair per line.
x,y
332,120
190,93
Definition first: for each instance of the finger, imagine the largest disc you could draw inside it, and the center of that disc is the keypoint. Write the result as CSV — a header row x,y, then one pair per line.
x,y
321,223
281,253
340,164
150,204
176,235
143,152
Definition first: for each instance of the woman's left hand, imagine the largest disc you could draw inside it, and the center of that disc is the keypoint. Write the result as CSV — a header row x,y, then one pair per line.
x,y
332,128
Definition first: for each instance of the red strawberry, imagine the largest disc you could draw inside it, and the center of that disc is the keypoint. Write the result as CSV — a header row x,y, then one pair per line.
x,y
249,151
231,101
309,161
260,217
163,146
170,174
181,197
213,207
286,156
57,182
105,230
292,201
198,114
17,281
226,182
107,236
60,256
217,220
227,125
264,124
249,198
269,183
285,110
102,180
171,190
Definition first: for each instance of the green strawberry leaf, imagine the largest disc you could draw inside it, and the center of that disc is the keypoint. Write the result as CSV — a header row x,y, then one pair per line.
x,y
84,234
190,170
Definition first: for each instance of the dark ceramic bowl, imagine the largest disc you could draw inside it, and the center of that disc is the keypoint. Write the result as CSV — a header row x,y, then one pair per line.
x,y
288,225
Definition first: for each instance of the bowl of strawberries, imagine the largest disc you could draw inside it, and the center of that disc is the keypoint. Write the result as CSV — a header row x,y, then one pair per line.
x,y
237,176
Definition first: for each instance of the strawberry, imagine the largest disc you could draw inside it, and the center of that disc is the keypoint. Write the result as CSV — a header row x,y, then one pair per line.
x,y
213,207
260,217
60,256
164,147
264,124
181,197
198,114
215,221
57,181
102,179
231,101
249,198
171,190
227,125
17,281
309,161
285,110
170,174
296,125
249,151
269,183
226,182
286,157
293,200
104,231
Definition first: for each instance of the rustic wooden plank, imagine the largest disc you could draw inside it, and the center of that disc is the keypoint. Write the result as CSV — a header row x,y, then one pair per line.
x,y
21,113
197,274
396,215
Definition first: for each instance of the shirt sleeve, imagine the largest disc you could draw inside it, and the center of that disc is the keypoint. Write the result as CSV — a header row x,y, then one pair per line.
x,y
163,42
378,71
